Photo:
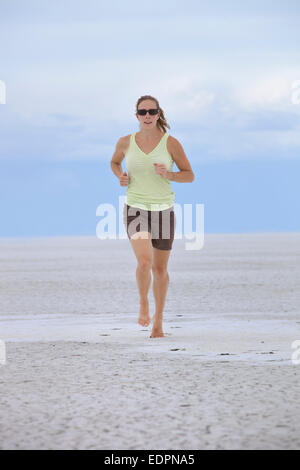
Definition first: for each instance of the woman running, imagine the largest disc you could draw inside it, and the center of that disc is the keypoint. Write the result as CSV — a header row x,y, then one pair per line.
x,y
149,215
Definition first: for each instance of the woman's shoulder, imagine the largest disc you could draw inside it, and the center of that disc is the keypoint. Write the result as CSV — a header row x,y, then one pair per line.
x,y
171,138
125,138
124,142
172,142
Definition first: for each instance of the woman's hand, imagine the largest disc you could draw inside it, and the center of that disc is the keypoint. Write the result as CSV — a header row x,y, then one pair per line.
x,y
124,179
161,169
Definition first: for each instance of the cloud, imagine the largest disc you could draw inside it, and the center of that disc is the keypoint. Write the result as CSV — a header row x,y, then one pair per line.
x,y
265,92
215,121
73,81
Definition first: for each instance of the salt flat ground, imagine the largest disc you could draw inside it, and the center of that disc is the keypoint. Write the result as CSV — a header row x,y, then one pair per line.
x,y
80,373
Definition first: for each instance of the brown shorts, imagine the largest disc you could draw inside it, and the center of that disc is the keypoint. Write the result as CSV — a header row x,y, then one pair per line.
x,y
160,224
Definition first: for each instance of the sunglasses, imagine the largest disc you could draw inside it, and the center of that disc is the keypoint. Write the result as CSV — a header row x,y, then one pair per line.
x,y
143,112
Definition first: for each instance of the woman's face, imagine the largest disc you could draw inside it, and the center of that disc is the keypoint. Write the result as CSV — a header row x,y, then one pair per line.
x,y
148,121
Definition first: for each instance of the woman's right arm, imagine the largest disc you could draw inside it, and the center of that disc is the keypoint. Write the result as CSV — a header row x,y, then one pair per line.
x,y
116,162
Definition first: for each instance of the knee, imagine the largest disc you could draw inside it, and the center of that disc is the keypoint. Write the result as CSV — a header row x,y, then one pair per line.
x,y
160,271
144,264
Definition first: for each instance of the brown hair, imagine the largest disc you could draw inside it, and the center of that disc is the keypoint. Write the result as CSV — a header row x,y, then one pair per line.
x,y
161,123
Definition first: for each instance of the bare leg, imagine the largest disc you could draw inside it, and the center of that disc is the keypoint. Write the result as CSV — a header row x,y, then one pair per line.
x,y
160,287
143,277
143,250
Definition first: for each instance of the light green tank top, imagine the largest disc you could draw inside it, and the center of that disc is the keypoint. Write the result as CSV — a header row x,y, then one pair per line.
x,y
147,190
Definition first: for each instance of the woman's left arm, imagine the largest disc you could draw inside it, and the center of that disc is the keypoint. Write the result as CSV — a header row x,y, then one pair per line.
x,y
186,174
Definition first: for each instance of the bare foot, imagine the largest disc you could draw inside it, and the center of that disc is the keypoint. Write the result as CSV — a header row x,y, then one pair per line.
x,y
144,317
157,331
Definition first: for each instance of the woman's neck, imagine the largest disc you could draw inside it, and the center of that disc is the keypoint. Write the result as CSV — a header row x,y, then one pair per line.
x,y
150,134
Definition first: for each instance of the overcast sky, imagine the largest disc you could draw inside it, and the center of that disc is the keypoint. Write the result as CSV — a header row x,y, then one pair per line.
x,y
223,72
